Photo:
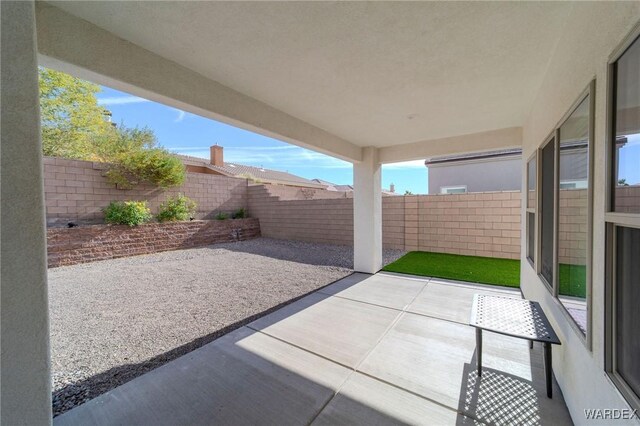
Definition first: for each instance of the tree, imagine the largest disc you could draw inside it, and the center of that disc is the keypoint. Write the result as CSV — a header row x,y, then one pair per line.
x,y
122,141
155,166
407,192
72,120
75,126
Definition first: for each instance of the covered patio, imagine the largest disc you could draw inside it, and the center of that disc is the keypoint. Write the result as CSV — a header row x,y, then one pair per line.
x,y
371,83
368,349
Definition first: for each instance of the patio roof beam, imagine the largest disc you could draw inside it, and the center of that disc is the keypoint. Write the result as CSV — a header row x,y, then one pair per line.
x,y
74,45
484,141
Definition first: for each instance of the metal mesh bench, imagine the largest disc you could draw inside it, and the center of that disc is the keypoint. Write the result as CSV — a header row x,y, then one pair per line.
x,y
519,318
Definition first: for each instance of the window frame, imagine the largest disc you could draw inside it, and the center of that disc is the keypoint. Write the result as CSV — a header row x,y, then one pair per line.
x,y
533,262
552,138
613,220
445,188
553,287
586,338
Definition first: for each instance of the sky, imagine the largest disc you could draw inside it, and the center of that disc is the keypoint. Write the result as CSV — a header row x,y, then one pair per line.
x,y
628,167
190,134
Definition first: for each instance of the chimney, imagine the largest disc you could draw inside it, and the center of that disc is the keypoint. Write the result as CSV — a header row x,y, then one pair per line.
x,y
392,188
217,156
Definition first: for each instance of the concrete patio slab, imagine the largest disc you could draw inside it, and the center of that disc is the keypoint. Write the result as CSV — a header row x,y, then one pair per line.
x,y
381,289
326,359
435,359
424,355
242,378
452,300
366,401
341,330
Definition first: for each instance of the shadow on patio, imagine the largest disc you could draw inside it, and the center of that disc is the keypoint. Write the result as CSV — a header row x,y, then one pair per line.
x,y
303,252
381,349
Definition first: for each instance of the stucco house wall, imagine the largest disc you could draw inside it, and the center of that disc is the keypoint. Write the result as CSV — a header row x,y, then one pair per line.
x,y
495,174
581,55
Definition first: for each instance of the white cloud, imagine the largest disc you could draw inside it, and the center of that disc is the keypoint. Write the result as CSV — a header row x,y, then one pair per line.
x,y
276,157
269,148
122,100
180,117
286,156
415,164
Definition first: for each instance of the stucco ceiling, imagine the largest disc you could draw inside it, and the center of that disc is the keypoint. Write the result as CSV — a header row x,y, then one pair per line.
x,y
372,73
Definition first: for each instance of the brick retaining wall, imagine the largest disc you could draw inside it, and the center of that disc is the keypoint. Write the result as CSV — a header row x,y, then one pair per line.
x,y
68,246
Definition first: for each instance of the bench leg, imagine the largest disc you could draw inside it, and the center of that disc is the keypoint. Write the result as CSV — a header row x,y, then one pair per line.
x,y
530,344
547,367
479,350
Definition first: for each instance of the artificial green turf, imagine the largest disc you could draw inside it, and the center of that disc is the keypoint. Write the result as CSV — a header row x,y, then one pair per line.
x,y
573,280
485,270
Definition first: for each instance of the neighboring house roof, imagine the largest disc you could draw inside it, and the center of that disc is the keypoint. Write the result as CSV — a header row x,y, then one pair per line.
x,y
257,173
347,188
473,156
323,182
334,187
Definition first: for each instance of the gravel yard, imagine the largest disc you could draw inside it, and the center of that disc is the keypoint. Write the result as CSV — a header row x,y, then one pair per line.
x,y
117,319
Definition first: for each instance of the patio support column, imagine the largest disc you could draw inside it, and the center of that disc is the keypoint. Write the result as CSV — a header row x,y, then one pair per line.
x,y
367,213
25,374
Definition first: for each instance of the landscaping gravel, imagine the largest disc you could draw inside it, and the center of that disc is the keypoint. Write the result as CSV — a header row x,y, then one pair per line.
x,y
114,320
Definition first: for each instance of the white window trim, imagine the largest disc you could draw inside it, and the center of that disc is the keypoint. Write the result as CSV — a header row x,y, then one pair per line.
x,y
553,287
612,220
528,209
445,189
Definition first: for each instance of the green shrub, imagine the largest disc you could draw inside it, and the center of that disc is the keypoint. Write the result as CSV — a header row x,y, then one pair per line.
x,y
240,214
176,209
130,213
221,216
156,166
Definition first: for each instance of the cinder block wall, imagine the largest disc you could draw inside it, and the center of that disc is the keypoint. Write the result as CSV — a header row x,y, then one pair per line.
x,y
627,199
393,222
297,193
323,220
78,191
475,224
572,235
482,224
572,232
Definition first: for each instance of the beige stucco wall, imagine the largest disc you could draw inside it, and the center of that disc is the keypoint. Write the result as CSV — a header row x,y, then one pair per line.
x,y
592,32
25,380
495,174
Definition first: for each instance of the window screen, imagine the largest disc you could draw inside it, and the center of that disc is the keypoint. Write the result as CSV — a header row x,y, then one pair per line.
x,y
627,295
531,235
626,149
